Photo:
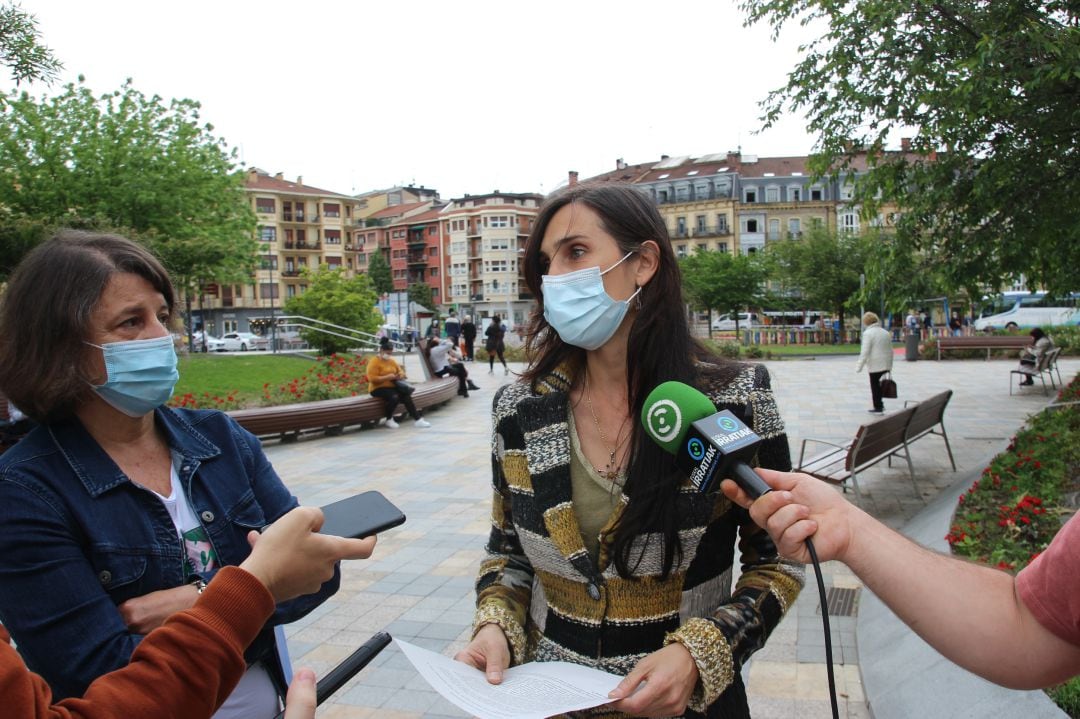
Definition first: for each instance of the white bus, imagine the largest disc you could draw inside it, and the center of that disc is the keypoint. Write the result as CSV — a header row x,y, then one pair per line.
x,y
1014,310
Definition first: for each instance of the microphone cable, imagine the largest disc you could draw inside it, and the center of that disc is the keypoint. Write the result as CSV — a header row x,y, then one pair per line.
x,y
825,621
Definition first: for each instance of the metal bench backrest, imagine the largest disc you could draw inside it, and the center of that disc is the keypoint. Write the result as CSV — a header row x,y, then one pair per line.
x,y
928,413
878,438
1049,358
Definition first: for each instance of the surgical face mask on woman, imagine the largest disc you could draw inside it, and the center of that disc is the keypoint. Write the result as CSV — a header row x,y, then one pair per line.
x,y
577,306
140,374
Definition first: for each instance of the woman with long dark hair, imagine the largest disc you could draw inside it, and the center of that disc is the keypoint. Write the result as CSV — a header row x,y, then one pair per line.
x,y
601,551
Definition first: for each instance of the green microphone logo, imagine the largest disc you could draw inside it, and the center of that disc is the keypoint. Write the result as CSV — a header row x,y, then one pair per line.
x,y
664,420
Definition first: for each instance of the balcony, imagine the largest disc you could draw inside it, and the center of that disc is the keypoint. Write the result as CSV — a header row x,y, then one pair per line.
x,y
292,216
417,259
415,238
290,273
710,231
302,245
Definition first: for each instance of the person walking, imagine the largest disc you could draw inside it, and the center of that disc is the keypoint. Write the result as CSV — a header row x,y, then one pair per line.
x,y
452,328
468,333
876,355
495,345
386,380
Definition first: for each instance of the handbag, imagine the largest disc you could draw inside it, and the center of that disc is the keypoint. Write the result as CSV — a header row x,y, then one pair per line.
x,y
888,386
404,387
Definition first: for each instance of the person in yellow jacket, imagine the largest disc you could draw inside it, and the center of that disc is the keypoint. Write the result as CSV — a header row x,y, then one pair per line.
x,y
386,381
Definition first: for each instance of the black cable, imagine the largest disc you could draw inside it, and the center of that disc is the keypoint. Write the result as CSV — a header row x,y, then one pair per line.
x,y
825,622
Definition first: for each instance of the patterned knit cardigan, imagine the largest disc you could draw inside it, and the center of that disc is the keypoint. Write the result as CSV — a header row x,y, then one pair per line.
x,y
554,604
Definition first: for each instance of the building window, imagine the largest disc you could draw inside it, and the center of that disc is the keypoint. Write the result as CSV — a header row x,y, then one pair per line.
x,y
701,226
816,194
680,250
333,262
751,194
268,290
847,191
499,221
663,195
331,209
722,247
794,193
772,194
333,237
774,229
794,227
721,223
268,234
265,204
751,226
849,222
680,226
268,262
434,271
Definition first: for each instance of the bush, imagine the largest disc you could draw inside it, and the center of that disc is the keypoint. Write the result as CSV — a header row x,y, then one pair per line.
x,y
329,377
1067,696
511,354
1016,507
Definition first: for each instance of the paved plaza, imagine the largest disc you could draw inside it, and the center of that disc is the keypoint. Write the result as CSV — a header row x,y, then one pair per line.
x,y
419,584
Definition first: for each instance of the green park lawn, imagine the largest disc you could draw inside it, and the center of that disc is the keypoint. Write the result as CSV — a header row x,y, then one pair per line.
x,y
242,374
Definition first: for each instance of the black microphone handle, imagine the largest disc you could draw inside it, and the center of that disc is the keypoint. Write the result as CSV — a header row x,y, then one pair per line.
x,y
748,480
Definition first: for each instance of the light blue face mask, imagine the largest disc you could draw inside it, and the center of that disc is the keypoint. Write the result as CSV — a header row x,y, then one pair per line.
x,y
577,306
140,374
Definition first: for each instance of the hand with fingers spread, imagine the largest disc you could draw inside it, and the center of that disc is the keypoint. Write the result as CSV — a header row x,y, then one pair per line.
x,y
488,651
799,506
659,686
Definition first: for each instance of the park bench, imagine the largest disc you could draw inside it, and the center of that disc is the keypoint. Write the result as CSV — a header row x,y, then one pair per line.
x,y
876,441
980,342
288,421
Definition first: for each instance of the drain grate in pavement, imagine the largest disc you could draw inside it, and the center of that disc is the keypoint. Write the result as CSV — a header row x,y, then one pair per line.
x,y
841,601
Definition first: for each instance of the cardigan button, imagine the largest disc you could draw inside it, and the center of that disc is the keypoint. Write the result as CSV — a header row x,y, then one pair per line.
x,y
207,515
594,592
105,576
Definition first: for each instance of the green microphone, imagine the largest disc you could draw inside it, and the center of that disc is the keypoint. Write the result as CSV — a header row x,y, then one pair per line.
x,y
708,445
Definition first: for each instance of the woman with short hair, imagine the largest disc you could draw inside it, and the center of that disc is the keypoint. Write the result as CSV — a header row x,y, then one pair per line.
x,y
876,355
117,510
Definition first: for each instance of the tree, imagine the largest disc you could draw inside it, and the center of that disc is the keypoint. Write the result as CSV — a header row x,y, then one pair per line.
x,y
379,272
823,267
21,49
133,164
989,90
338,299
420,293
717,280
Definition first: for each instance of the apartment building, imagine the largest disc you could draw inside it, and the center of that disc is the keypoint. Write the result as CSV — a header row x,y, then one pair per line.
x,y
486,237
418,250
730,202
299,227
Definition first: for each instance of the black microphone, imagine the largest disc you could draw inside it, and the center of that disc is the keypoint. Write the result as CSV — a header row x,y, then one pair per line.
x,y
708,445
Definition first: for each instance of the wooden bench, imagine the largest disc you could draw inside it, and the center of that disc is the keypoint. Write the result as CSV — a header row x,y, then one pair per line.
x,y
980,342
880,440
288,421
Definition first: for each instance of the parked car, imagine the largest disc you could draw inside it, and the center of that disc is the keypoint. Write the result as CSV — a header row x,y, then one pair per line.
x,y
243,341
213,344
727,322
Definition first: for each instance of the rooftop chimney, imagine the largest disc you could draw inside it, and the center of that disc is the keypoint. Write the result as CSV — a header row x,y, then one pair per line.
x,y
299,179
664,157
905,144
279,176
620,164
573,178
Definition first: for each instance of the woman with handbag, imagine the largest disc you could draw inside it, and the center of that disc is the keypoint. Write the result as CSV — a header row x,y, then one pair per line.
x,y
876,356
386,380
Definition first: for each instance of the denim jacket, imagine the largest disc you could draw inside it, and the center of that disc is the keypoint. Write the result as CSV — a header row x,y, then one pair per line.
x,y
77,538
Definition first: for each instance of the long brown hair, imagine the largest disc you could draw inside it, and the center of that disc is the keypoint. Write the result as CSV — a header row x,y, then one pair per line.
x,y
660,349
45,316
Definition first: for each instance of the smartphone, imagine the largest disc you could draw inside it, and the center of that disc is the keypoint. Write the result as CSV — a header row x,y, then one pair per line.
x,y
361,515
347,669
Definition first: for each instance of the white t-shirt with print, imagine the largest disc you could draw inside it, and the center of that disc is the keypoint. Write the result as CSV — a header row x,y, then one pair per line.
x,y
254,696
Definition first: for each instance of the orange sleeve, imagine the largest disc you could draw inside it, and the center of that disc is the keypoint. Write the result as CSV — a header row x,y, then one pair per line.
x,y
185,668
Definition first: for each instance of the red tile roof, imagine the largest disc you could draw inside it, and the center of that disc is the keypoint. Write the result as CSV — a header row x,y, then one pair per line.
x,y
262,181
398,210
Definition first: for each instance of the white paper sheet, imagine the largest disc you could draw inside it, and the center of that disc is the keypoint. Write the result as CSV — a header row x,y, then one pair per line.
x,y
529,691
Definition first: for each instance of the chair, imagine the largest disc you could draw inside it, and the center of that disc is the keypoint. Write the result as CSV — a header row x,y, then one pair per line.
x,y
1052,367
1038,370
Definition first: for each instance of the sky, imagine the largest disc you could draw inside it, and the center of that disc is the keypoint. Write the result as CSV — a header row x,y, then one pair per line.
x,y
465,97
